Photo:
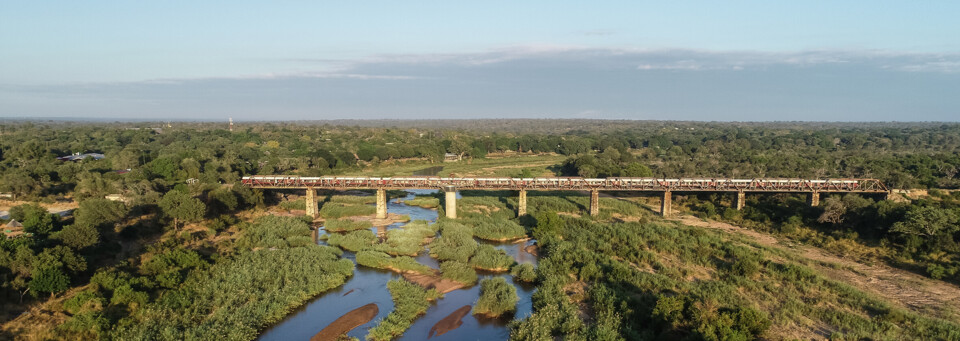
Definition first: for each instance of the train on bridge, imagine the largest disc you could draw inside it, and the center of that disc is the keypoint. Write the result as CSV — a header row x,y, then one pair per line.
x,y
450,185
571,183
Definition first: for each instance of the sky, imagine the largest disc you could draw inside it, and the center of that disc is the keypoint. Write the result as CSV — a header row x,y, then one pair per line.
x,y
648,60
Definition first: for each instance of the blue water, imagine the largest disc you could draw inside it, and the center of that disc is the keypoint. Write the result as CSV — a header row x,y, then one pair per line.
x,y
370,286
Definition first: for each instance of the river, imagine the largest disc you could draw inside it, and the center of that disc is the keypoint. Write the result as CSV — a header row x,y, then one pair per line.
x,y
370,286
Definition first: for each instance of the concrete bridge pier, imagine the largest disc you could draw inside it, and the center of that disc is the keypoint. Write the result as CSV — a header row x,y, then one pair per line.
x,y
665,204
451,201
814,199
381,203
311,202
741,200
522,203
594,202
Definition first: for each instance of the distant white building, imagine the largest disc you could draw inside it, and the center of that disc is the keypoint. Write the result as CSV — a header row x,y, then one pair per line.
x,y
115,197
78,157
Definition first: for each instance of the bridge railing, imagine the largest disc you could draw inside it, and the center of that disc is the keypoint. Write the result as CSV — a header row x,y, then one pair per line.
x,y
572,183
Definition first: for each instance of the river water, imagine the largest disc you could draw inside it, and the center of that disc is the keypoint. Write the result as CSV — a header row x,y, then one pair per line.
x,y
370,286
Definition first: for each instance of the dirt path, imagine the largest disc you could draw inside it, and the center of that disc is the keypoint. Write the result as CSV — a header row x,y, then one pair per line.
x,y
451,322
493,169
58,208
905,288
347,322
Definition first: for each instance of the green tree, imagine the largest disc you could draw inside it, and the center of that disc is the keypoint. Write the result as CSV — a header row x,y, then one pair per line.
x,y
222,200
99,213
926,221
19,183
49,280
250,197
460,147
834,209
92,185
35,218
79,236
60,257
182,207
636,170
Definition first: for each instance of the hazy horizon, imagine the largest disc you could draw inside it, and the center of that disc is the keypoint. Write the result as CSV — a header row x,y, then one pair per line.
x,y
737,61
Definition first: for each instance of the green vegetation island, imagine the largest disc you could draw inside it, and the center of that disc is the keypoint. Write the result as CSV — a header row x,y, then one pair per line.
x,y
144,231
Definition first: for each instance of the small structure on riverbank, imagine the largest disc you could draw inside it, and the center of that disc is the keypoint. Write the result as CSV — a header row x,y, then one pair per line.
x,y
14,229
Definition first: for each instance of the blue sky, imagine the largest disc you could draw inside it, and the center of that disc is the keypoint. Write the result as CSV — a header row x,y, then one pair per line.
x,y
734,60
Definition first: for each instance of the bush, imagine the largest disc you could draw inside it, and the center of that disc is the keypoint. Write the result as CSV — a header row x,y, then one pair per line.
x,y
497,297
298,204
524,272
346,225
733,324
380,260
423,201
409,302
236,298
83,301
353,241
275,232
490,258
170,268
409,239
497,229
455,242
340,210
459,272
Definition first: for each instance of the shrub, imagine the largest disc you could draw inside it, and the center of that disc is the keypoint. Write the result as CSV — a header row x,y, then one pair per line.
x,y
380,260
733,324
346,225
298,204
423,201
490,258
497,297
275,232
524,272
455,242
83,301
459,272
353,241
340,210
409,302
236,298
171,267
407,240
497,229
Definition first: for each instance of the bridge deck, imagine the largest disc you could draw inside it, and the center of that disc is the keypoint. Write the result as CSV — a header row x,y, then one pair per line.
x,y
572,184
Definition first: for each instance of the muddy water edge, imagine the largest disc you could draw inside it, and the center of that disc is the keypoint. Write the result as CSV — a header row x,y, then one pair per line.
x,y
370,286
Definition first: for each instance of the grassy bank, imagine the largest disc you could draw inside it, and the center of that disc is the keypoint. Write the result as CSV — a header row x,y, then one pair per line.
x,y
238,296
667,281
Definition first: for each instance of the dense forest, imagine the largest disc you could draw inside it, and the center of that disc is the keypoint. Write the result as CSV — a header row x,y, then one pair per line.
x,y
181,230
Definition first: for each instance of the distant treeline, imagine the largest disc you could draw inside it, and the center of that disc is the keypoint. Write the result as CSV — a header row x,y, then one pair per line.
x,y
918,155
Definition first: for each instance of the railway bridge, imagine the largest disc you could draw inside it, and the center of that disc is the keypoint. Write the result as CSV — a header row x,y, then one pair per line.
x,y
666,186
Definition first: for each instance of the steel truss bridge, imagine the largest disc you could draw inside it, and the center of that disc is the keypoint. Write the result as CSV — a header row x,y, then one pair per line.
x,y
572,184
594,185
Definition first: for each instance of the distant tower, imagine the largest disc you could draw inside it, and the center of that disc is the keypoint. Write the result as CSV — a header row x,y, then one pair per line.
x,y
231,124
